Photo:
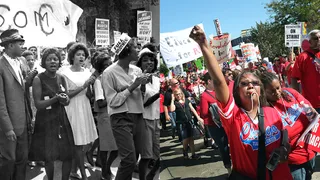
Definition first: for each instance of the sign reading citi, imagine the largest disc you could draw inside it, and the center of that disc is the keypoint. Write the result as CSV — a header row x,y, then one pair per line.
x,y
42,23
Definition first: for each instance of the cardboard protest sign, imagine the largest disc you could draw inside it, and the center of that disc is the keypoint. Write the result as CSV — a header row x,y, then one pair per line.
x,y
177,48
249,52
144,26
121,44
42,23
102,32
311,137
221,46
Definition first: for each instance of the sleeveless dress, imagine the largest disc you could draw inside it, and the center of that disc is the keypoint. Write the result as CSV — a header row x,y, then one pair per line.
x,y
79,110
52,138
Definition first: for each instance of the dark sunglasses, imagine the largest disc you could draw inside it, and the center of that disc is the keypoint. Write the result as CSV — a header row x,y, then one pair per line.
x,y
246,83
230,74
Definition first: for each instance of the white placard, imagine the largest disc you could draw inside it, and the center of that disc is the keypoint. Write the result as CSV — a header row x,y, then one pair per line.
x,y
221,47
177,48
102,32
292,35
116,36
144,26
41,23
119,45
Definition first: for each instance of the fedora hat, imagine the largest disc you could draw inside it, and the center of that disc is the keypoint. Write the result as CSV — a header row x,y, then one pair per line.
x,y
10,35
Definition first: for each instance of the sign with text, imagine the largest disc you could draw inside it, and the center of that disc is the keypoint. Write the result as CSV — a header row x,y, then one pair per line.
x,y
292,35
311,137
144,26
177,48
121,43
221,46
102,32
116,36
42,23
249,52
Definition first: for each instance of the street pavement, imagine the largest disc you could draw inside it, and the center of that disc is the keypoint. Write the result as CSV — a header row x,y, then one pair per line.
x,y
93,173
210,166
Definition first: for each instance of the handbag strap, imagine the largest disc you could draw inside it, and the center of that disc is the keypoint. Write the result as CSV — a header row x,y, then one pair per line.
x,y
210,94
262,147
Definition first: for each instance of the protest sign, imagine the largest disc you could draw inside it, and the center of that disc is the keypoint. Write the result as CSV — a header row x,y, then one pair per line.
x,y
121,44
42,23
102,32
249,52
310,139
144,26
116,36
292,35
177,48
221,46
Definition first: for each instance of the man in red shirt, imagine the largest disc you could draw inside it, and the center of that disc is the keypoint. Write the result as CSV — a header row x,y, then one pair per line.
x,y
279,69
215,131
307,70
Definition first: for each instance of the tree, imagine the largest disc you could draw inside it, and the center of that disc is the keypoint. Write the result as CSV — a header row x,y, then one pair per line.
x,y
269,38
293,11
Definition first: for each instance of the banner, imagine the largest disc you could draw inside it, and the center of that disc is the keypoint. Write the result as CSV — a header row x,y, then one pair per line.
x,y
144,26
116,36
177,48
41,23
221,46
249,52
102,32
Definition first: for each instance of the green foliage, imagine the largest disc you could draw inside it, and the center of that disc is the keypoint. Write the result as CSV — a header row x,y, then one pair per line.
x,y
270,35
163,69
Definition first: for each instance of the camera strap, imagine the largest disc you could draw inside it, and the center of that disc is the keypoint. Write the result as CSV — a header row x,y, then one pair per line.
x,y
262,147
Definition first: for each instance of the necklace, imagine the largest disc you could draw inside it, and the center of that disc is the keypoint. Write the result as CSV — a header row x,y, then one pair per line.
x,y
287,119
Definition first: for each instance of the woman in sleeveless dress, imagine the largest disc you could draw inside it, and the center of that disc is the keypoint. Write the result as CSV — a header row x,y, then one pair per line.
x,y
52,139
79,110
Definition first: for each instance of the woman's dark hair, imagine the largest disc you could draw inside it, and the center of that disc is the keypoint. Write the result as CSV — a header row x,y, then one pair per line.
x,y
151,46
46,53
27,53
267,78
206,77
32,47
236,94
99,60
74,48
152,56
126,50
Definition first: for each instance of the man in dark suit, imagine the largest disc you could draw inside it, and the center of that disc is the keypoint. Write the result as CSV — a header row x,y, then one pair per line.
x,y
14,110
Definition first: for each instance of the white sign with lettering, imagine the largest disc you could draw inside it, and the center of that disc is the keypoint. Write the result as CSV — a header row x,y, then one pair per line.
x,y
292,35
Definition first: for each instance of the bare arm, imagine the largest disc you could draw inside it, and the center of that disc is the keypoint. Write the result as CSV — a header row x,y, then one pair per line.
x,y
194,111
37,91
221,87
166,113
172,106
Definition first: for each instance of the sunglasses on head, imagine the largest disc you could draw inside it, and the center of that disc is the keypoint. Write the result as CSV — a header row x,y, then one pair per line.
x,y
246,83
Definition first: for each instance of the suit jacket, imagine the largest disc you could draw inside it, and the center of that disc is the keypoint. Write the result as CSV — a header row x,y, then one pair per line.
x,y
14,110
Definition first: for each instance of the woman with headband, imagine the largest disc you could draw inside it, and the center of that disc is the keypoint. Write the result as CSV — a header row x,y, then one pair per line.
x,y
240,113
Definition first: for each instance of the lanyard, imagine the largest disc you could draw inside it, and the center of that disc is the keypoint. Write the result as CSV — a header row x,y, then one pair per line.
x,y
287,119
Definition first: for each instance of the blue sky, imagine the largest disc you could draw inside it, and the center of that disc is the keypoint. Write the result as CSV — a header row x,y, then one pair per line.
x,y
234,15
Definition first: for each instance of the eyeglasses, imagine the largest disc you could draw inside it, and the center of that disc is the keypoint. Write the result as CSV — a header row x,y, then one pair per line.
x,y
230,74
246,83
177,83
178,94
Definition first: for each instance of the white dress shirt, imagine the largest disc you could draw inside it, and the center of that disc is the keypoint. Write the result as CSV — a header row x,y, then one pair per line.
x,y
16,65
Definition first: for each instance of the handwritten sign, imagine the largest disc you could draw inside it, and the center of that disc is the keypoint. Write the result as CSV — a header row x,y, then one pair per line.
x,y
249,52
102,32
144,26
121,44
221,46
311,137
42,23
177,48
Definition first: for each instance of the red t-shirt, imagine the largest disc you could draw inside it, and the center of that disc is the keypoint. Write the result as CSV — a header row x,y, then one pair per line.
x,y
161,103
289,72
205,100
305,70
279,69
295,124
242,135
